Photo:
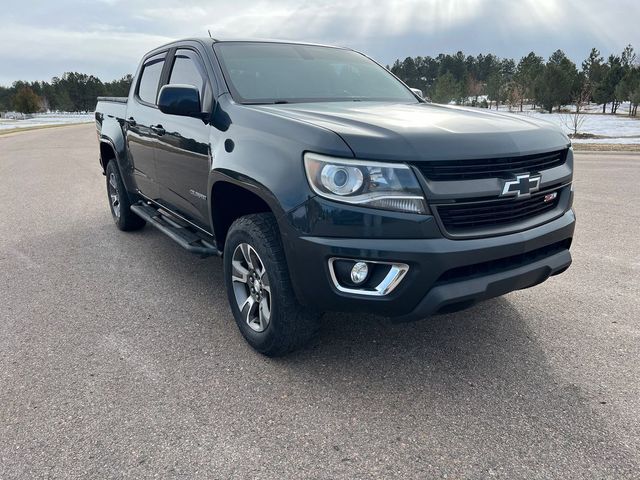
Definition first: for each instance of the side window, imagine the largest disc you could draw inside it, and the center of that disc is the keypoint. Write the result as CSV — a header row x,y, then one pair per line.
x,y
149,79
185,71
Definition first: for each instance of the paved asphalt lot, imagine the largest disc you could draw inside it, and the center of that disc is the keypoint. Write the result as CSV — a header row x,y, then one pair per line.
x,y
119,357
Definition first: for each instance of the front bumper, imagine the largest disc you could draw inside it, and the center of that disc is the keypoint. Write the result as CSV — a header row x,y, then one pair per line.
x,y
444,274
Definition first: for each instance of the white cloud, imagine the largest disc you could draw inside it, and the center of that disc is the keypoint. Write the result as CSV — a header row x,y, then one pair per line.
x,y
102,44
295,19
42,38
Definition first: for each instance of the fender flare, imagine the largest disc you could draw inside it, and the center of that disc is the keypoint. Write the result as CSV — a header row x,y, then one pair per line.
x,y
245,183
118,163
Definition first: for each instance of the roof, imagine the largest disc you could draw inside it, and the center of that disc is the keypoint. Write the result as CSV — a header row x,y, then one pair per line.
x,y
206,40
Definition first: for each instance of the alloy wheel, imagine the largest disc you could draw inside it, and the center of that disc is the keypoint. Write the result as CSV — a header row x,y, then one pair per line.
x,y
114,195
251,287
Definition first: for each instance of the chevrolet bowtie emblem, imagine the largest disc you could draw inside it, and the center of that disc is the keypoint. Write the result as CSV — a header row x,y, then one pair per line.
x,y
524,184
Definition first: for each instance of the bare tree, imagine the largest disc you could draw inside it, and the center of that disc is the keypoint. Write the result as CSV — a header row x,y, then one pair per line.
x,y
575,120
515,96
474,88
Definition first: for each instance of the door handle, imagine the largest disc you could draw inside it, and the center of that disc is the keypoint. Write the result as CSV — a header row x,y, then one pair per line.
x,y
131,121
158,129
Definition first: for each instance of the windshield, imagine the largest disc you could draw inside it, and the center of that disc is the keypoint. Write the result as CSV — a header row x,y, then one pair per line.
x,y
283,73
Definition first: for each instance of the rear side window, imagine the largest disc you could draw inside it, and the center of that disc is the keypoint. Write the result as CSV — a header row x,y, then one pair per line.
x,y
185,71
149,79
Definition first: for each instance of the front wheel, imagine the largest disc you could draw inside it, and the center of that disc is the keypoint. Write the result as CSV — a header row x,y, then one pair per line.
x,y
259,288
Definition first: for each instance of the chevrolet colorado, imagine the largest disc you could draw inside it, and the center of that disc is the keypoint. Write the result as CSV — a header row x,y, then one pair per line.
x,y
326,183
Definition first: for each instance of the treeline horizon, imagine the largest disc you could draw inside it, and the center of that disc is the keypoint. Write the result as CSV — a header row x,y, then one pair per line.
x,y
484,80
71,92
549,84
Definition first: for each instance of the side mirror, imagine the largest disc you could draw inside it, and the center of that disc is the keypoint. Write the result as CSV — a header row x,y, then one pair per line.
x,y
418,92
181,100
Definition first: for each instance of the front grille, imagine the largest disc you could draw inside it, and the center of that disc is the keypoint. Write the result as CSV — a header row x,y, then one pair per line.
x,y
490,167
470,217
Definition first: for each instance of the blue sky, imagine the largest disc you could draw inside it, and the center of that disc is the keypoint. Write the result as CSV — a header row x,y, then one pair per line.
x,y
40,39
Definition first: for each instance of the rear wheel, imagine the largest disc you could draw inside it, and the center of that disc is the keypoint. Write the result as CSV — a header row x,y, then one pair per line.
x,y
259,288
119,202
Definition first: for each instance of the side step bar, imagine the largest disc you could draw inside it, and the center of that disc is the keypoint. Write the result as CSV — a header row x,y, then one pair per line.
x,y
185,236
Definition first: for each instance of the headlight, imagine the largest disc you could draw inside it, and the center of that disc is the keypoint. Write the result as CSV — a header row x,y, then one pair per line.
x,y
389,186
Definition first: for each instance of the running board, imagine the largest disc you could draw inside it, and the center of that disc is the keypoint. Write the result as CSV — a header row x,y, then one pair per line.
x,y
177,230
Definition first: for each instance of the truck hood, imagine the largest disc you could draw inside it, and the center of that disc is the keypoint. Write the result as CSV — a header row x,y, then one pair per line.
x,y
422,131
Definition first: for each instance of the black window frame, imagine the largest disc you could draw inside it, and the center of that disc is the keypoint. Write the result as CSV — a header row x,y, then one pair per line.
x,y
194,58
206,100
155,57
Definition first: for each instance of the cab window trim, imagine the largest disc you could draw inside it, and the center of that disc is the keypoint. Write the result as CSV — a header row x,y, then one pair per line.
x,y
156,57
200,66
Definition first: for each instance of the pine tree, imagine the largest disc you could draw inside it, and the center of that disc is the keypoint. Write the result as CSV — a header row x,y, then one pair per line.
x,y
446,89
527,72
495,87
557,84
614,74
594,71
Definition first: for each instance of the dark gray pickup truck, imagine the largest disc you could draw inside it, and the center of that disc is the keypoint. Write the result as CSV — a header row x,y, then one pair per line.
x,y
327,184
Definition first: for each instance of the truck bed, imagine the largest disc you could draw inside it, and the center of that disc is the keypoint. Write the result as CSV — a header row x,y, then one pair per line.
x,y
115,107
113,99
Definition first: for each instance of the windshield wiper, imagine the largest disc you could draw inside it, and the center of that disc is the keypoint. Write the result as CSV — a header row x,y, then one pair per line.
x,y
274,102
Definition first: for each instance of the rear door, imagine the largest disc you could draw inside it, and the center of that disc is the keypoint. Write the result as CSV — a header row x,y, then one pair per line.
x,y
183,155
142,116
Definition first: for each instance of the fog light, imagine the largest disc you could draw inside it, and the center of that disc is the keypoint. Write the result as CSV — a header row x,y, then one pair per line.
x,y
359,272
366,277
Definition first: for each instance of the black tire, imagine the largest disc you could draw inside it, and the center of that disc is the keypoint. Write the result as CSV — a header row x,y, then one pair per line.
x,y
119,202
290,325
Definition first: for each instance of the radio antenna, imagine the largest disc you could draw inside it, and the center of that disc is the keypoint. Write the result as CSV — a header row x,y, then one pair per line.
x,y
209,31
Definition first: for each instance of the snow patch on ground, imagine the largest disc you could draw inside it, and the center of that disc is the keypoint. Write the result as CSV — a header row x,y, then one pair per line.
x,y
620,129
43,119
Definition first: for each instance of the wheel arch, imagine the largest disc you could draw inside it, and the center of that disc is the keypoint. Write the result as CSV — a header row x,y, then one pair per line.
x,y
107,153
230,200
